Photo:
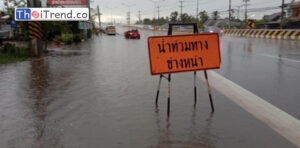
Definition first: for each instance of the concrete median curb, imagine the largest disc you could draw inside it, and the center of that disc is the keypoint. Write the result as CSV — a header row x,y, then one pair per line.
x,y
264,33
278,120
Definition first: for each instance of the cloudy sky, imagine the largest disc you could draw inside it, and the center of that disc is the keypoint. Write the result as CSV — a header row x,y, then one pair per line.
x,y
116,9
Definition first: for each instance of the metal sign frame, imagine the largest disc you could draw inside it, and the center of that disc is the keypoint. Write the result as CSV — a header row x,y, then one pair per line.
x,y
170,32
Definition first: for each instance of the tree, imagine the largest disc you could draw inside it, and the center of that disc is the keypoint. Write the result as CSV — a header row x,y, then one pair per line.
x,y
10,8
161,21
147,21
215,15
174,16
54,28
186,18
203,17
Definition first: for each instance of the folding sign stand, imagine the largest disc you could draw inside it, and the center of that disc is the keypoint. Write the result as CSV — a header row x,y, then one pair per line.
x,y
170,30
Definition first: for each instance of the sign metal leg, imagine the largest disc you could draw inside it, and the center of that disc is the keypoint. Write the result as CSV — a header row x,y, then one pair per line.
x,y
157,94
209,93
195,89
170,30
169,94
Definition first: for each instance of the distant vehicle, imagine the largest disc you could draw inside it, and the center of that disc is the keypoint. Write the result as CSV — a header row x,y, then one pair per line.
x,y
148,27
4,34
132,34
110,30
213,29
102,30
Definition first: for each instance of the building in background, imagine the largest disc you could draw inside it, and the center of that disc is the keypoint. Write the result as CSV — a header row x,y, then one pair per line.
x,y
77,26
295,10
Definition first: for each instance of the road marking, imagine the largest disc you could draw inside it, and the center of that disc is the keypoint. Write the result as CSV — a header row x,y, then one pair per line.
x,y
287,34
280,121
279,36
275,57
293,36
274,34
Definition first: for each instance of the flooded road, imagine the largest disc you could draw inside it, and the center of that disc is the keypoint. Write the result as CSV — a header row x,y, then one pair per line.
x,y
268,68
100,94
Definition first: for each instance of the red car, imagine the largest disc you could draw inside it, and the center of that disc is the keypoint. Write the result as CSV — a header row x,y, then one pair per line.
x,y
132,34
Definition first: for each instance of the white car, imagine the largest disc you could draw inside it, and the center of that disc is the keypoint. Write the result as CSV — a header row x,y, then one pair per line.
x,y
110,30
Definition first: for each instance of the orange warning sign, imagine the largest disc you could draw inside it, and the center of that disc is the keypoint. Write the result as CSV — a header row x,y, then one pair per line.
x,y
180,53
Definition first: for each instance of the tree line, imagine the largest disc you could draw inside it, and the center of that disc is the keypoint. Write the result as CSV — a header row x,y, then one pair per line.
x,y
185,18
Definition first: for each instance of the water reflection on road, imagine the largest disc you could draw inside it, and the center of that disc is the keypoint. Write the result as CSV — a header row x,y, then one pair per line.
x,y
100,94
268,68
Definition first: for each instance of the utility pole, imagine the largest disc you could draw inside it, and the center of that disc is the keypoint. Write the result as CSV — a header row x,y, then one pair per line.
x,y
111,17
155,3
238,11
128,13
282,11
229,14
246,5
99,16
197,10
158,12
181,6
154,12
139,16
128,17
36,44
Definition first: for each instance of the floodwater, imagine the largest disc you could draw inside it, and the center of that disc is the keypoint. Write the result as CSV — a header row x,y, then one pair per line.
x,y
100,94
268,68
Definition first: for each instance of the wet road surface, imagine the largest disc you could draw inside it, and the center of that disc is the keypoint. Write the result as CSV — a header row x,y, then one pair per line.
x,y
268,68
100,94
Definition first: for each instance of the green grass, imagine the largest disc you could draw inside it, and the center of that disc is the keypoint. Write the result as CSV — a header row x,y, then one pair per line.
x,y
8,58
10,53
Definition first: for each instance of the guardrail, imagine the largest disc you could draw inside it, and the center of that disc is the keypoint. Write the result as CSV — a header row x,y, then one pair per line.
x,y
264,33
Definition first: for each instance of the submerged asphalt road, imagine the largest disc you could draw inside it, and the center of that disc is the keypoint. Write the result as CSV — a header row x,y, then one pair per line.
x,y
100,94
268,68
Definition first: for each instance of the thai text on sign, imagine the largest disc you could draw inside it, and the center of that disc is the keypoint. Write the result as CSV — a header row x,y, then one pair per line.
x,y
180,53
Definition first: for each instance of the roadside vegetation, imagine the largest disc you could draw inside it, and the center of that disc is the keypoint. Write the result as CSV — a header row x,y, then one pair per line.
x,y
10,53
68,38
58,32
184,18
203,16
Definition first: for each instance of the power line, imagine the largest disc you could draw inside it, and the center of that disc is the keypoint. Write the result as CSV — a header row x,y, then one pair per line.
x,y
181,6
262,9
246,17
139,15
128,13
281,19
238,11
229,14
163,10
99,16
197,10
158,12
128,18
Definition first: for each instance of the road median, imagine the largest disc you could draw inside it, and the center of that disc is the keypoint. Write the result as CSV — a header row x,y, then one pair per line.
x,y
280,121
264,33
